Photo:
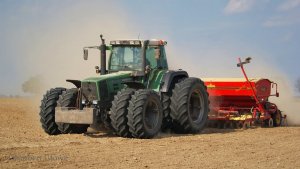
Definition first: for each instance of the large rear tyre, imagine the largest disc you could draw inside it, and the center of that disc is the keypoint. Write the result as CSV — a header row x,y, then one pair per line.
x,y
47,111
68,99
119,112
189,106
145,114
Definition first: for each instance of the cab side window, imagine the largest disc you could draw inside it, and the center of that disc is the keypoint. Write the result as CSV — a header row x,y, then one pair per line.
x,y
153,60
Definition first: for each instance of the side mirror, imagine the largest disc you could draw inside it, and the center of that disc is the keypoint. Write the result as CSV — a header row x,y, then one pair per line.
x,y
157,53
85,54
97,69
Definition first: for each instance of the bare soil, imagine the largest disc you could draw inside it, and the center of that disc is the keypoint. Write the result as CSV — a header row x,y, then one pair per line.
x,y
23,144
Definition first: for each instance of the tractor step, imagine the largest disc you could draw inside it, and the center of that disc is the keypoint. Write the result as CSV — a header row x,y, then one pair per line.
x,y
75,116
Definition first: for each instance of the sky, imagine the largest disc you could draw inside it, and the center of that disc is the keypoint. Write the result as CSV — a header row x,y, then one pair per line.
x,y
204,37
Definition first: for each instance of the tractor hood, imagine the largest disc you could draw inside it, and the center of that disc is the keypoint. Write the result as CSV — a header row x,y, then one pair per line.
x,y
117,75
104,87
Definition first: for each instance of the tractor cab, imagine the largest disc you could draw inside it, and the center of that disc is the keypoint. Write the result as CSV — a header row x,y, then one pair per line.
x,y
137,55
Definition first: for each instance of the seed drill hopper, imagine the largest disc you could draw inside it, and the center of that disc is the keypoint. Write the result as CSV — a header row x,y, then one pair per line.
x,y
242,102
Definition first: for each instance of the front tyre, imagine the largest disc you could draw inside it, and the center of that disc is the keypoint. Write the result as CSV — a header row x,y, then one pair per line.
x,y
145,114
189,106
119,112
47,111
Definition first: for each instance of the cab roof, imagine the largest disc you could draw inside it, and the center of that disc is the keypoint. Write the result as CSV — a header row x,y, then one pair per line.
x,y
137,42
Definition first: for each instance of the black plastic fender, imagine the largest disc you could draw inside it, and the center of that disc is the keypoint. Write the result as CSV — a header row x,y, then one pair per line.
x,y
77,83
170,76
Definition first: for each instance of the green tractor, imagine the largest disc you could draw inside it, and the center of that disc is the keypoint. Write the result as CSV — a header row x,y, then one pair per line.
x,y
136,96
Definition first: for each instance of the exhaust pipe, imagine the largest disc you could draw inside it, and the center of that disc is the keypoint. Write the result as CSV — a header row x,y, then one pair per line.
x,y
103,56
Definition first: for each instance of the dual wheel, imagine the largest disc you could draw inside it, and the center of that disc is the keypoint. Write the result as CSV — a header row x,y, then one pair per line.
x,y
140,113
136,113
59,97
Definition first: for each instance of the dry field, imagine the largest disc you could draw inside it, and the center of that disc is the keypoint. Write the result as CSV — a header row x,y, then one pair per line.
x,y
23,144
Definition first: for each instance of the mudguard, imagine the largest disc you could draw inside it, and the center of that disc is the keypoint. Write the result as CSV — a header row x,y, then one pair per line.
x,y
170,76
77,83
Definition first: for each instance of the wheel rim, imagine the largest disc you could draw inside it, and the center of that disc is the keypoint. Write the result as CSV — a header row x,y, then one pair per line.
x,y
270,122
246,125
196,106
152,114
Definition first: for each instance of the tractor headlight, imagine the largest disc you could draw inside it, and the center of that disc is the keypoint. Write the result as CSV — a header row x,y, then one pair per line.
x,y
95,101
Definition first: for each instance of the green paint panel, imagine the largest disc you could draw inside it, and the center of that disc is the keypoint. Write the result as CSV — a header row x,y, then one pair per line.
x,y
155,79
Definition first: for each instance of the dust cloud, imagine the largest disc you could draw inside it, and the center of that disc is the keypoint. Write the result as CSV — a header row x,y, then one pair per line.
x,y
287,101
53,49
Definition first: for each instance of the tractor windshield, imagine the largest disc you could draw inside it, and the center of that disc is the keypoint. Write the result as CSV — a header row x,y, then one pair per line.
x,y
125,58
